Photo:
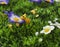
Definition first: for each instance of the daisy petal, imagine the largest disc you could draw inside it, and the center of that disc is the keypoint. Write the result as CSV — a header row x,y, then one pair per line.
x,y
42,31
52,27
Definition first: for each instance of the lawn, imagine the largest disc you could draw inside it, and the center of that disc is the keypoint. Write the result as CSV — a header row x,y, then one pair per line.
x,y
24,35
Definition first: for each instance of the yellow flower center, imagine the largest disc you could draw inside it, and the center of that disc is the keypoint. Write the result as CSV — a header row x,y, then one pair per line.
x,y
24,15
47,29
27,20
3,3
16,19
48,0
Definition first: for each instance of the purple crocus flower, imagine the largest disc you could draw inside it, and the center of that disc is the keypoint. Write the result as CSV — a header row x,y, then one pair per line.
x,y
51,1
4,1
14,18
38,1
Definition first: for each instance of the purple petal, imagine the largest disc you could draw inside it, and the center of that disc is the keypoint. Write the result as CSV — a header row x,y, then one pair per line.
x,y
11,21
36,1
10,14
21,22
6,1
51,1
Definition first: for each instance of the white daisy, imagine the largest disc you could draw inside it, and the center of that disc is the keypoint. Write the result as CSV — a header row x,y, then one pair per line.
x,y
47,29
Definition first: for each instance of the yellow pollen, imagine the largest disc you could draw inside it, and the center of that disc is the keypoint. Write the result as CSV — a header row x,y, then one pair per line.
x,y
24,15
16,19
48,0
9,25
17,24
33,11
47,29
23,18
27,20
3,3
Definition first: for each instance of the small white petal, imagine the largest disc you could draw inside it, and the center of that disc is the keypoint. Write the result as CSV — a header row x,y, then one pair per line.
x,y
55,19
57,0
42,31
57,25
46,27
52,27
36,33
37,15
52,24
12,17
49,22
40,39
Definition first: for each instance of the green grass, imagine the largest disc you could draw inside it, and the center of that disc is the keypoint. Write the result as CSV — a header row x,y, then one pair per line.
x,y
24,35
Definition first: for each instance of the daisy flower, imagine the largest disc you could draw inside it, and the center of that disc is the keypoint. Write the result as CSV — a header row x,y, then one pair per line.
x,y
4,1
47,29
14,18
